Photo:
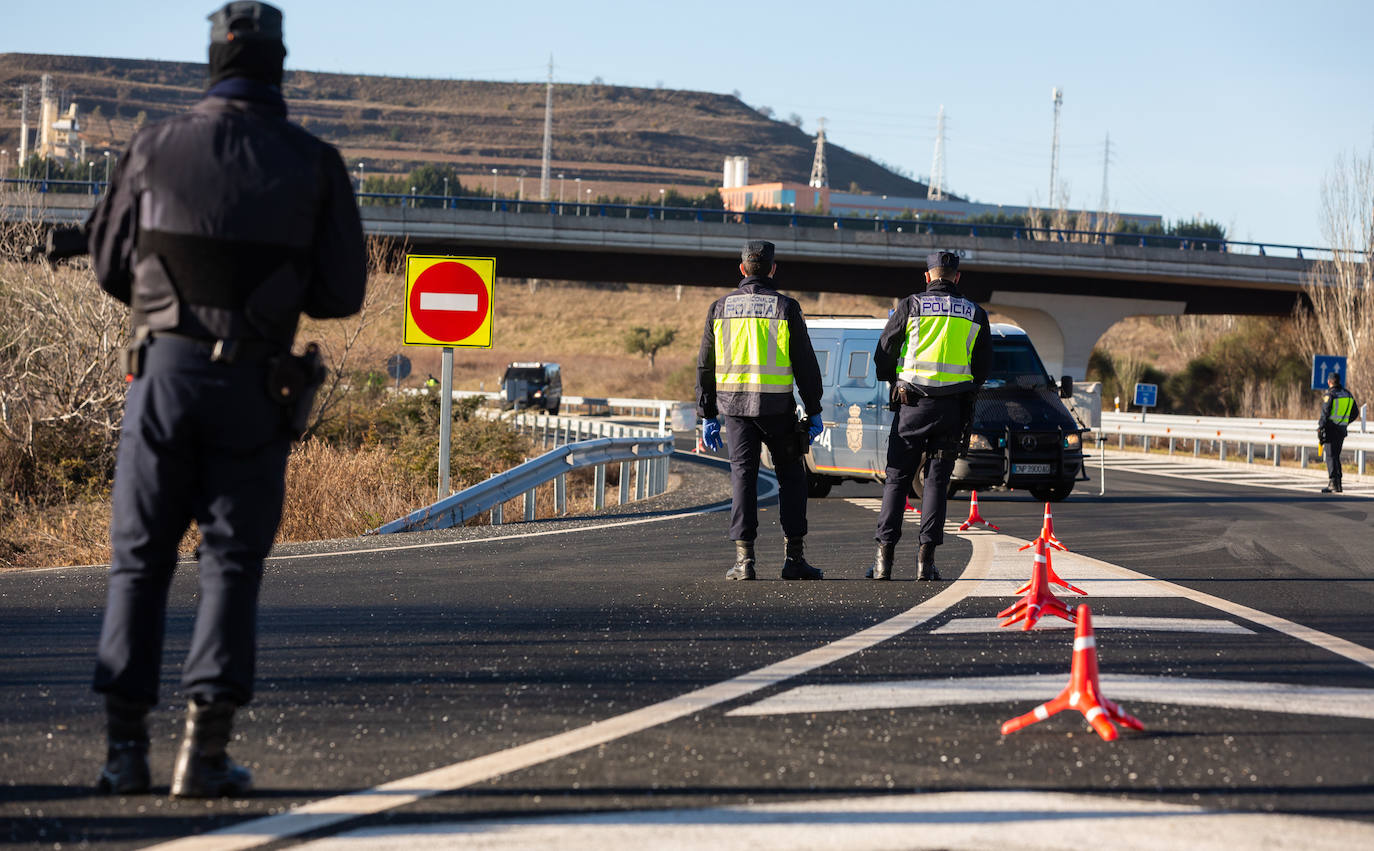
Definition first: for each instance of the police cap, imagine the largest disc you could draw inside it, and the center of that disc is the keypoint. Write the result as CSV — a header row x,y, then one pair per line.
x,y
245,20
947,260
758,251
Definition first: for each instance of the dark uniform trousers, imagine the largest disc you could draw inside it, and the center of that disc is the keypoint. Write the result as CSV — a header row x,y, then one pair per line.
x,y
747,436
934,420
1335,440
201,440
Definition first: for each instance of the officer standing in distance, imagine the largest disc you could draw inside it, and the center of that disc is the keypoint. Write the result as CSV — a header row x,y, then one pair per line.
x,y
936,353
754,350
1338,409
220,227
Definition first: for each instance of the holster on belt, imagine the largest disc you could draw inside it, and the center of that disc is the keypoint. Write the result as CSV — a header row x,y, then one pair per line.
x,y
131,356
903,394
292,382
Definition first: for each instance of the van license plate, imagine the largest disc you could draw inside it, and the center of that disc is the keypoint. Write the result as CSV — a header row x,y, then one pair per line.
x,y
1030,469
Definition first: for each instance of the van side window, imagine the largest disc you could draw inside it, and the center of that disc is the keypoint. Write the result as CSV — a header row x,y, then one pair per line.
x,y
859,372
823,362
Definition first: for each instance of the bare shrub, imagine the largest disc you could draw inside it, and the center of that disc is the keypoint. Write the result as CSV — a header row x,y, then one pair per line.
x,y
61,400
1341,289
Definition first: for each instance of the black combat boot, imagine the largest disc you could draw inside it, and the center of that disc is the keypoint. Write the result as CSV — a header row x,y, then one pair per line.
x,y
925,564
204,769
126,757
882,562
795,566
744,561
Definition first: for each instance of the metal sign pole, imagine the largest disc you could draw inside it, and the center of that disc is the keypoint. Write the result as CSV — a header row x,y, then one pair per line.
x,y
445,418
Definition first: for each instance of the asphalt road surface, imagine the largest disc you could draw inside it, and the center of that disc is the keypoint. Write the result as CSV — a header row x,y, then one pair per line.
x,y
599,685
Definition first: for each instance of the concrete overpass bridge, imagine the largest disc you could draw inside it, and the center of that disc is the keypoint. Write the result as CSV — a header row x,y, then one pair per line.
x,y
1065,293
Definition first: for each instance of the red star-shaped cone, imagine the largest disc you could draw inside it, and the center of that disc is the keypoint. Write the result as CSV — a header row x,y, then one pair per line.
x,y
1083,692
1039,600
974,518
1047,532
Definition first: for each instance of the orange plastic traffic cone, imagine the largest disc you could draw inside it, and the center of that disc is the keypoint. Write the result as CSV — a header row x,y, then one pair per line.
x,y
974,518
910,507
1083,692
1049,570
700,446
1039,600
1047,532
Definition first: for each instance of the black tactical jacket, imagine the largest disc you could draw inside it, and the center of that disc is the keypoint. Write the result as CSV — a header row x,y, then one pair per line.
x,y
806,373
228,222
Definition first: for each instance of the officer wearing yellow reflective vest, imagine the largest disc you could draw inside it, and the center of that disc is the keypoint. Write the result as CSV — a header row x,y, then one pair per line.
x,y
1338,409
936,353
754,352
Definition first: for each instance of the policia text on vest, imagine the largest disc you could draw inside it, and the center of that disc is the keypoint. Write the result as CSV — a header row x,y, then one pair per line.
x,y
755,353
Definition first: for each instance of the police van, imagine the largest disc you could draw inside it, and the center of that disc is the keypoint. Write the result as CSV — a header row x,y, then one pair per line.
x,y
532,385
1022,436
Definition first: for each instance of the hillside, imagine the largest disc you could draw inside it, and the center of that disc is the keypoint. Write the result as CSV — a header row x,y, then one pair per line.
x,y
610,136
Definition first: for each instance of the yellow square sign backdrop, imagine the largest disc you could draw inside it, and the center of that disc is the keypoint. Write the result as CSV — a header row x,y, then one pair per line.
x,y
449,301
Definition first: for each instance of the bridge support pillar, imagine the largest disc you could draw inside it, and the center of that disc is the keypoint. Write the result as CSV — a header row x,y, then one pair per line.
x,y
1065,328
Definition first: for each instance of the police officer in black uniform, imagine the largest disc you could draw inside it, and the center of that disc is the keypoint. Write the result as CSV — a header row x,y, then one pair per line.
x,y
220,227
936,352
754,352
1338,409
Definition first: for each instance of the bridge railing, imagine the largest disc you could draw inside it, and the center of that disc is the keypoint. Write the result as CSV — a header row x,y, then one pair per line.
x,y
606,209
643,455
53,190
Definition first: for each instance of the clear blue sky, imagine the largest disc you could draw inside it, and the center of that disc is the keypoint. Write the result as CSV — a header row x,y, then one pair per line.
x,y
1232,110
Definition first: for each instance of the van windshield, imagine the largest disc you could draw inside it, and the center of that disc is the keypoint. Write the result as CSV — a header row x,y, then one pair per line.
x,y
1015,364
524,373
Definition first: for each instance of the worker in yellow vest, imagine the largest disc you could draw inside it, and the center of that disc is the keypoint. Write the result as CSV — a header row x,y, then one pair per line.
x,y
1338,409
755,352
936,353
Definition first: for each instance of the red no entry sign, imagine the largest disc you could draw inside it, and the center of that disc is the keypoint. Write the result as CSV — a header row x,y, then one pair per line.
x,y
448,301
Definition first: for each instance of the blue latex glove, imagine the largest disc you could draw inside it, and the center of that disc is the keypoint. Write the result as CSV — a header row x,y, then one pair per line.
x,y
816,427
711,434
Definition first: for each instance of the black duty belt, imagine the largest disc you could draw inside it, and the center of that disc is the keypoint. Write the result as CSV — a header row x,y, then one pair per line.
x,y
225,351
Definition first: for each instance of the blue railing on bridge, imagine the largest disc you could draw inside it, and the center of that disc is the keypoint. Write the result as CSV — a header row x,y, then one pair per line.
x,y
607,209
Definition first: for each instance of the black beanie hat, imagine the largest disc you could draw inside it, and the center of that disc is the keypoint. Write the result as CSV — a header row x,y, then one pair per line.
x,y
246,41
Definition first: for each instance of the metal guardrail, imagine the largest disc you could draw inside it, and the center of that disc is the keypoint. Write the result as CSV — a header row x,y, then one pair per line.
x,y
643,451
1273,436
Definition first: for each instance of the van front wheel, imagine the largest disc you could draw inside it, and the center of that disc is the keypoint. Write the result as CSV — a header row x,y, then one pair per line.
x,y
1053,493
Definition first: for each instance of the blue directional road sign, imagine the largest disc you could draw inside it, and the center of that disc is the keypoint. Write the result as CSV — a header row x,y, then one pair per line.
x,y
1146,395
1324,365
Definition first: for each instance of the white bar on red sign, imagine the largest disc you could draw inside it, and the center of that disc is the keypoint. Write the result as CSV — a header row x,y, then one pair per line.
x,y
448,301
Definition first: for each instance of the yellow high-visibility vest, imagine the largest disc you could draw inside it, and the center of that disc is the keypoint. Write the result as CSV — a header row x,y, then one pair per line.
x,y
938,349
1342,409
753,345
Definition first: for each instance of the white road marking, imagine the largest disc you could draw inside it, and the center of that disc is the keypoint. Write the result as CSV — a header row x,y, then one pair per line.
x,y
994,819
458,302
1122,688
1218,626
399,793
1224,472
1011,568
